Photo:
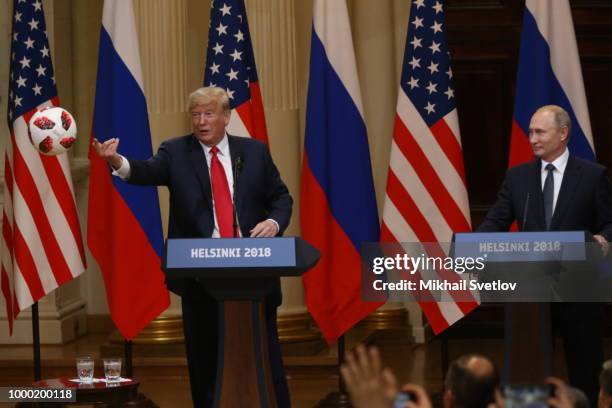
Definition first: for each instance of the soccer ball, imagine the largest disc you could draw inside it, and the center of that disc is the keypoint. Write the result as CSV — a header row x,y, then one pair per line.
x,y
52,130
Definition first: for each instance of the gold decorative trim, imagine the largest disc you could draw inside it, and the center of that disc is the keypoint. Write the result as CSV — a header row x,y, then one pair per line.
x,y
296,328
162,330
386,319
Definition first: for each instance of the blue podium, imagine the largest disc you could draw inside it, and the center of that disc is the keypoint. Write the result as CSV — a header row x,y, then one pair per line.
x,y
537,261
239,273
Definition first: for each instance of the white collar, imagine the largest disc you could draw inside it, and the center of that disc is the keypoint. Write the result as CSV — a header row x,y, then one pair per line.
x,y
560,162
223,146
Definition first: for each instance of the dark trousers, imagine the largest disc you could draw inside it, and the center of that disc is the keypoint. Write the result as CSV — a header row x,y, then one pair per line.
x,y
200,318
580,327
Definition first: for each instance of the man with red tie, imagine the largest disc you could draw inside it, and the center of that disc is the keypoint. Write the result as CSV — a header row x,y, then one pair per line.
x,y
211,174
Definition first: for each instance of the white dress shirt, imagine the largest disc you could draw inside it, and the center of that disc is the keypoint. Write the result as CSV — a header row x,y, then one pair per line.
x,y
226,161
560,164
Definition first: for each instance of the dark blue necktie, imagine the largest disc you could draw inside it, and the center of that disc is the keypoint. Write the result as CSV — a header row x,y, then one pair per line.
x,y
549,194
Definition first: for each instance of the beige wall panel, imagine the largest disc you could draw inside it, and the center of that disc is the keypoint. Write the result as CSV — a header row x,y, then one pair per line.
x,y
163,43
86,21
272,25
198,15
373,41
59,28
86,24
401,11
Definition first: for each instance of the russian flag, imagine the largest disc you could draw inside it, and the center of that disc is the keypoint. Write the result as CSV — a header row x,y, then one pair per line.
x,y
549,73
338,204
124,223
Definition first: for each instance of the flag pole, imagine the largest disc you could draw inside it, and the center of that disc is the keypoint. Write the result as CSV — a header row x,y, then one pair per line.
x,y
128,348
36,342
337,399
341,353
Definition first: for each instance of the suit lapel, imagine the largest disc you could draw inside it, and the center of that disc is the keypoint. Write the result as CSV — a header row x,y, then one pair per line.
x,y
571,176
535,191
198,160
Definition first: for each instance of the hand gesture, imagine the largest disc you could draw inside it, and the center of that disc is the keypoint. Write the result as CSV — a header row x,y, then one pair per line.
x,y
603,243
561,397
420,398
108,151
265,229
368,384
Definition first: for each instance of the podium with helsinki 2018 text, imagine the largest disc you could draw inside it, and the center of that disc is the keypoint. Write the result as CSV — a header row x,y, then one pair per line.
x,y
239,273
541,263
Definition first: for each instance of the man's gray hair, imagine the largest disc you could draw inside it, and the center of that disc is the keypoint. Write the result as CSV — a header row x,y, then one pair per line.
x,y
209,95
605,378
560,116
472,389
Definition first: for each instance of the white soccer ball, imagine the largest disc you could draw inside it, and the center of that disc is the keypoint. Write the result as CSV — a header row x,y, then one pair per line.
x,y
52,130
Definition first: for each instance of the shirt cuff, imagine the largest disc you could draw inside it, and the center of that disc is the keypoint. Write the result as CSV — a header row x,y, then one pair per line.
x,y
124,171
275,223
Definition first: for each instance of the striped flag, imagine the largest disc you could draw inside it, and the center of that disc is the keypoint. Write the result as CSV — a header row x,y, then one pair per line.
x,y
426,198
549,73
338,205
42,246
124,222
230,64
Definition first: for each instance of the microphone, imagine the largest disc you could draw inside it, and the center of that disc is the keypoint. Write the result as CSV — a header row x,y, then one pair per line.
x,y
525,212
236,169
238,165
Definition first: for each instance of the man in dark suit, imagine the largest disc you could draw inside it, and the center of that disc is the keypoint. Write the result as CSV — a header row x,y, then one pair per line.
x,y
561,192
209,172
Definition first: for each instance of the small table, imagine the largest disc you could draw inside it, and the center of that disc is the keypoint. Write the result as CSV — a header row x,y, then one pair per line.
x,y
99,394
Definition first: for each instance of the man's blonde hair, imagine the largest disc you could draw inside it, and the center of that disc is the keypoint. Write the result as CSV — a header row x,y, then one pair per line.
x,y
209,95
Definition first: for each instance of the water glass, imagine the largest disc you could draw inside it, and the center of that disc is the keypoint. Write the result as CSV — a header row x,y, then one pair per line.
x,y
112,370
85,369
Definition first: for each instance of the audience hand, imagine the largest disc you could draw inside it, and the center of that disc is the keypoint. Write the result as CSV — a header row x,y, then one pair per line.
x,y
499,400
603,243
561,398
420,400
368,384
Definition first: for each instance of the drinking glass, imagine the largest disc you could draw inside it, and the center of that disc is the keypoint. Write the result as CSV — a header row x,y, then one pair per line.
x,y
85,369
112,370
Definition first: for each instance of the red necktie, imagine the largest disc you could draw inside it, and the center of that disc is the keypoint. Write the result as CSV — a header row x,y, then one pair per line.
x,y
221,196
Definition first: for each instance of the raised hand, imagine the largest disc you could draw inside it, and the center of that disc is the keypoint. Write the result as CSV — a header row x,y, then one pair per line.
x,y
368,384
419,398
108,151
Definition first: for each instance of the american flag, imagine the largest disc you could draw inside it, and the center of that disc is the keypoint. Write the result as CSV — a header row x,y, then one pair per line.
x,y
426,199
42,246
230,64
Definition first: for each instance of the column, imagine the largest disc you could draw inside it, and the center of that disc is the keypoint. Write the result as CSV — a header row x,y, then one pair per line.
x,y
272,25
374,51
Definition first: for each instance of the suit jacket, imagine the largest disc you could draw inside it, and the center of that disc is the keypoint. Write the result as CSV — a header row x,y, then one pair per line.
x,y
180,164
584,201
